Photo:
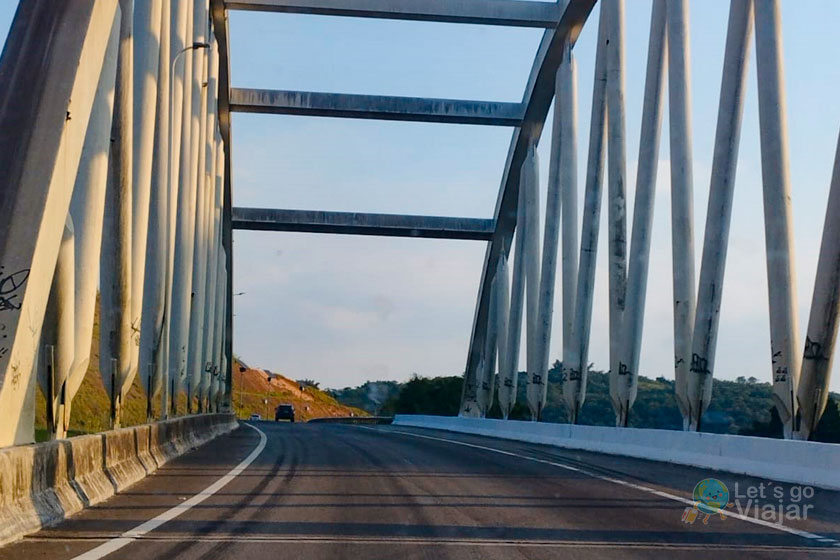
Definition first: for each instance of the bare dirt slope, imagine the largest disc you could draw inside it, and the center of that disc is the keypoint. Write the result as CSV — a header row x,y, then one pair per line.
x,y
252,387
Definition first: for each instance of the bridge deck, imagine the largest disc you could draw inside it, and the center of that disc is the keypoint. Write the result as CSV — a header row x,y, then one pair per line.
x,y
330,491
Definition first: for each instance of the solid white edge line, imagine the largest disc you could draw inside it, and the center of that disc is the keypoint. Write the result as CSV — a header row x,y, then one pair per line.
x,y
655,492
130,536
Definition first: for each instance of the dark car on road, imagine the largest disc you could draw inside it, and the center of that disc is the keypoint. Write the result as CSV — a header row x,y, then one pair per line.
x,y
284,412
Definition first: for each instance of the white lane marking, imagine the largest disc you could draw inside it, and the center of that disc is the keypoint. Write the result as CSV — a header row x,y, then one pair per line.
x,y
130,536
655,492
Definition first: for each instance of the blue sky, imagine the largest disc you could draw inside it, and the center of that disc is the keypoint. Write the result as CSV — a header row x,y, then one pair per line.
x,y
343,310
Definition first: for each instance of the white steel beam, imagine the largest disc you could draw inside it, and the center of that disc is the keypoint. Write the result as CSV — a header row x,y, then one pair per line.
x,y
154,283
682,197
115,338
637,275
539,92
812,393
148,15
344,105
486,12
355,223
617,201
574,383
719,213
47,90
778,211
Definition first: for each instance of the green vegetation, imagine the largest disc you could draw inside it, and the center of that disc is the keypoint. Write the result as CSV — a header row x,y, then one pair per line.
x,y
438,395
371,396
91,406
743,406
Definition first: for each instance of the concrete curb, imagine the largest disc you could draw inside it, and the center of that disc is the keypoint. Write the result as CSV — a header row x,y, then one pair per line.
x,y
44,483
798,462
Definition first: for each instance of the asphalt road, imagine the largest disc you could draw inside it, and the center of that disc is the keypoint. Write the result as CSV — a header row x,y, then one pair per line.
x,y
331,491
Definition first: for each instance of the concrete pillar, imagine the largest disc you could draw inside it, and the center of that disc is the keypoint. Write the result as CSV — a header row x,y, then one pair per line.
x,y
166,395
58,336
509,378
41,84
210,243
218,403
617,208
574,384
185,224
115,265
637,276
204,230
560,181
567,92
147,43
682,197
488,362
154,283
502,298
196,314
718,216
778,211
531,184
178,211
210,361
218,379
212,231
812,393
87,209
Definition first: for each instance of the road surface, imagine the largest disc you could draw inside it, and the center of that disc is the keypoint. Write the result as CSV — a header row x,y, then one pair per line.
x,y
313,491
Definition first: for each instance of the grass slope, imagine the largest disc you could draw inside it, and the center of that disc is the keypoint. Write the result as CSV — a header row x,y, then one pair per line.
x,y
91,405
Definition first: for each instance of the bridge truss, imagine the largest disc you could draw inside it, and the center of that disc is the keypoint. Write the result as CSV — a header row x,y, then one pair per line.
x,y
116,137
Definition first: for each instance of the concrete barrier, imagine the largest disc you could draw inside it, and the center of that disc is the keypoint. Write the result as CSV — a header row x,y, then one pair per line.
x,y
352,420
798,462
43,483
86,463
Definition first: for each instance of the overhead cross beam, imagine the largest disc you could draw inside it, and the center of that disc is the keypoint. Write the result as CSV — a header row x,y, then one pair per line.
x,y
375,107
486,12
353,223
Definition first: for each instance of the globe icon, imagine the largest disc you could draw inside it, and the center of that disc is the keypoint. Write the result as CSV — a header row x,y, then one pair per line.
x,y
711,495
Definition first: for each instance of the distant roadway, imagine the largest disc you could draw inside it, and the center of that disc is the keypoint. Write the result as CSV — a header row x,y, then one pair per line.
x,y
324,491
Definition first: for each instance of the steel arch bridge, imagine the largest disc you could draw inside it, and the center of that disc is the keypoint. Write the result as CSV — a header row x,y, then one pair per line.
x,y
115,129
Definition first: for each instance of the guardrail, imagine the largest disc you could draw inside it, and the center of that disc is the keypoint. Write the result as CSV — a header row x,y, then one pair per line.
x,y
44,483
799,462
353,420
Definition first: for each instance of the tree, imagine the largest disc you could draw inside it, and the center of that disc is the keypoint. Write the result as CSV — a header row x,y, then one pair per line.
x,y
828,430
773,428
421,395
310,383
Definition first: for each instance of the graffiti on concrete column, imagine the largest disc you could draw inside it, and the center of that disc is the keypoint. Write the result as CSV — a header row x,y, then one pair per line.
x,y
10,285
